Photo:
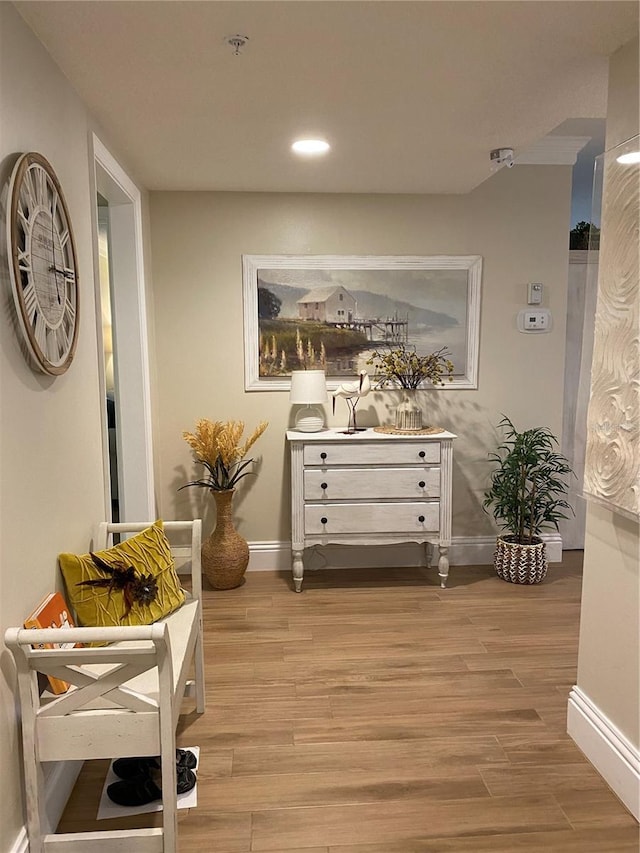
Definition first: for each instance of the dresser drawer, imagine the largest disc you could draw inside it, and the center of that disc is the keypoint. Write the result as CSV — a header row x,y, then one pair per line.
x,y
372,453
376,518
371,483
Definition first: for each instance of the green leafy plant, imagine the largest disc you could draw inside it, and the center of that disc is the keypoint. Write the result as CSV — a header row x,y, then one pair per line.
x,y
529,486
403,367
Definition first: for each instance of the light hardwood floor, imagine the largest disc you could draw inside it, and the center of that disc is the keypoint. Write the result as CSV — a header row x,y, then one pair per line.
x,y
378,713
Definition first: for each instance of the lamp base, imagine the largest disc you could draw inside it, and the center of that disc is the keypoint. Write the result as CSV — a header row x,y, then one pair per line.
x,y
309,419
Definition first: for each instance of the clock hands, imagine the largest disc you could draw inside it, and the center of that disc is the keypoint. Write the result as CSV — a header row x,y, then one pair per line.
x,y
67,276
66,273
52,267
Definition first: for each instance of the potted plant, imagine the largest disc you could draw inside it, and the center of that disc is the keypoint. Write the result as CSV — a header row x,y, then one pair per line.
x,y
217,445
401,367
527,495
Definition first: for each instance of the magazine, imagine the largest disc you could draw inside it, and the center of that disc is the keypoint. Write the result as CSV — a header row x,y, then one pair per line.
x,y
52,612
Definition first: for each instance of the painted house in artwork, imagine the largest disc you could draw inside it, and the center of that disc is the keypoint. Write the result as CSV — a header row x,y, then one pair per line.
x,y
331,304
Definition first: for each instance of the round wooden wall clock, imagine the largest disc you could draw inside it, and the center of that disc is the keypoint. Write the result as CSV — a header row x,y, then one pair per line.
x,y
43,264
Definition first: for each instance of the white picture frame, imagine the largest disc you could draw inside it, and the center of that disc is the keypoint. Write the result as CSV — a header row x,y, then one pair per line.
x,y
428,301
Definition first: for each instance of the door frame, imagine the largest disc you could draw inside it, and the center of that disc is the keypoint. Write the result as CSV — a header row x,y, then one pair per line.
x,y
130,338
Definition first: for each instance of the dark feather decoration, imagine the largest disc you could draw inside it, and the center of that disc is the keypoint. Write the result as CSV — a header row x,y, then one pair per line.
x,y
136,589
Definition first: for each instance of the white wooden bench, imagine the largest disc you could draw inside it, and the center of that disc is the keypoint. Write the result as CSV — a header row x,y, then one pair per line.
x,y
124,701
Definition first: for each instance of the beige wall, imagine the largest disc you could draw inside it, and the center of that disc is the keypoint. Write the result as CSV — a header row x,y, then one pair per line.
x,y
517,221
51,473
623,104
609,663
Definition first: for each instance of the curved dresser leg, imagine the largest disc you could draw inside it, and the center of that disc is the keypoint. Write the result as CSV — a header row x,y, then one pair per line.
x,y
443,565
297,569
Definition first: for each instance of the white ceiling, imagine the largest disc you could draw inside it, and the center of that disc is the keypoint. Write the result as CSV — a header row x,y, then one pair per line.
x,y
411,95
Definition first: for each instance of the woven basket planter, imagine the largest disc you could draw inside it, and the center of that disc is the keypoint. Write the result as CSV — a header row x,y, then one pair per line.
x,y
518,563
225,554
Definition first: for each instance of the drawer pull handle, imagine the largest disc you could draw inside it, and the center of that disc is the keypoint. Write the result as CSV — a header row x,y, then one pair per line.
x,y
421,518
323,485
324,519
422,484
422,454
323,456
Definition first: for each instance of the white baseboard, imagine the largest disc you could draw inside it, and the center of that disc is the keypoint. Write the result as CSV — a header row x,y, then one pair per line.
x,y
615,758
269,557
464,551
21,844
60,777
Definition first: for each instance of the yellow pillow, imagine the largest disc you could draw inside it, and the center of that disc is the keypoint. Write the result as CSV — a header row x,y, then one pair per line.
x,y
149,590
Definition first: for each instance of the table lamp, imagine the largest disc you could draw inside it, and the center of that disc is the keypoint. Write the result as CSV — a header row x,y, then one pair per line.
x,y
308,387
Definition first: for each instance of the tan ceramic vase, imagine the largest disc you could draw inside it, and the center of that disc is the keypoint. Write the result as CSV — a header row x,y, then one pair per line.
x,y
225,554
408,412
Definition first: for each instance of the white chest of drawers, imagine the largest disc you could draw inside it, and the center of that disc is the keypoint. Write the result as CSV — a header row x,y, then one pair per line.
x,y
370,488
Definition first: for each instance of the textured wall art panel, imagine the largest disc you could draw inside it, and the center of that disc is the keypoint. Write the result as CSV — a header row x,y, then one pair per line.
x,y
612,468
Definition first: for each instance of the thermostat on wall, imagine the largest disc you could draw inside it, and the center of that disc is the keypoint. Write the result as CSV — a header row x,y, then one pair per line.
x,y
534,320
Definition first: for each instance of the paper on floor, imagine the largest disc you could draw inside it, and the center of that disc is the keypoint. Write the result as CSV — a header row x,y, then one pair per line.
x,y
108,809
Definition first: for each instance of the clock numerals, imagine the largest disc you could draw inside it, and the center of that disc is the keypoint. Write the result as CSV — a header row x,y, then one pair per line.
x,y
43,264
40,331
42,188
53,343
29,196
24,261
56,341
69,311
30,302
36,187
63,338
24,218
53,353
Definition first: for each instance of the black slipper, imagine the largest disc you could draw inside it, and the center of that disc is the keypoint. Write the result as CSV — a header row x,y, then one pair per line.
x,y
134,792
143,790
186,758
129,768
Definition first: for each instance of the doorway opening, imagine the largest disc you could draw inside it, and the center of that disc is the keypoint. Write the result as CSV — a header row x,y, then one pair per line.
x,y
111,397
122,331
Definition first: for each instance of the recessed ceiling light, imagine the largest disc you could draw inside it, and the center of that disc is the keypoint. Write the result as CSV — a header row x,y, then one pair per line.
x,y
631,157
310,146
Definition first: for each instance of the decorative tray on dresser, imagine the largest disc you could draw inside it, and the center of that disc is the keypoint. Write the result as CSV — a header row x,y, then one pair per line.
x,y
370,488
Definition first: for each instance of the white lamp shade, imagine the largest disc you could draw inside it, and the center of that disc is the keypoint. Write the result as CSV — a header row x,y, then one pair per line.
x,y
308,386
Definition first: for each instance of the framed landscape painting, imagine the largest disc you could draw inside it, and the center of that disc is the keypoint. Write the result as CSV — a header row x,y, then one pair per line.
x,y
332,311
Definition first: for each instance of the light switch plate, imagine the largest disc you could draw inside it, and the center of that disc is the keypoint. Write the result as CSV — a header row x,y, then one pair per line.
x,y
534,293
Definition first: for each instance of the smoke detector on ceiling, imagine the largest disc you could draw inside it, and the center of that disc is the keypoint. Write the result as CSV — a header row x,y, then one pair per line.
x,y
500,157
237,42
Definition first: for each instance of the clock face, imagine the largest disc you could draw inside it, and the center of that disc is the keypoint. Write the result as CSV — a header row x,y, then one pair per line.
x,y
43,265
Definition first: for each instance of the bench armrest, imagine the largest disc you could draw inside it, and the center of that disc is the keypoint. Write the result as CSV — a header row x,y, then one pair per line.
x,y
15,637
100,674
